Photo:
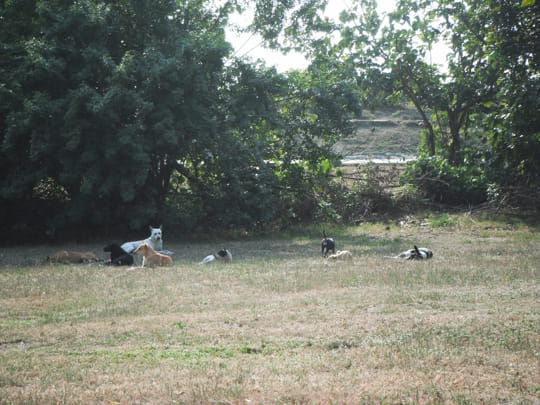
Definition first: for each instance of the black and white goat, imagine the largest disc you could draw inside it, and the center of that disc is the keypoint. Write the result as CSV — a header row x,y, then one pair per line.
x,y
224,255
415,253
327,245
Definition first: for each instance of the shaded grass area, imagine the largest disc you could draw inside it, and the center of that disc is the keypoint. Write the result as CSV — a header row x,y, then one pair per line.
x,y
279,325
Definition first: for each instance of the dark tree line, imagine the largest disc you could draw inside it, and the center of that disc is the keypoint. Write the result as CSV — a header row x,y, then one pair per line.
x,y
114,114
120,113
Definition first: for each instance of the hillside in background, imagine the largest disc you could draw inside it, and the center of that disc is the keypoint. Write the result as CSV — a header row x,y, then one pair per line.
x,y
388,131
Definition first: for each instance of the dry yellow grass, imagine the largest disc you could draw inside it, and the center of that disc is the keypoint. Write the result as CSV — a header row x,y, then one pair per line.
x,y
278,326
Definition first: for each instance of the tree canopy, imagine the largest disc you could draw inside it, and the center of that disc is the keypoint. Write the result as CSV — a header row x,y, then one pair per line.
x,y
124,112
479,109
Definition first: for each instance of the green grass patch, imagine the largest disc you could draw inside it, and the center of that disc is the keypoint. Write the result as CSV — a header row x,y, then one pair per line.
x,y
280,324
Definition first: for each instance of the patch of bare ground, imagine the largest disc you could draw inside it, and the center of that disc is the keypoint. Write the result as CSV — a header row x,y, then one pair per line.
x,y
393,130
280,326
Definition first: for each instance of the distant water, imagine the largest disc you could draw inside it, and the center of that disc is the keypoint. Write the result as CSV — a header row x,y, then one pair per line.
x,y
377,158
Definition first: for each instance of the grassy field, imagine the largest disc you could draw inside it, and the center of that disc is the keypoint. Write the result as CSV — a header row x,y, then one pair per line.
x,y
278,325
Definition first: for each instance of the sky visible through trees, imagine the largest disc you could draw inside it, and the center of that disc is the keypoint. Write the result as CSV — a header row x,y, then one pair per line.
x,y
252,46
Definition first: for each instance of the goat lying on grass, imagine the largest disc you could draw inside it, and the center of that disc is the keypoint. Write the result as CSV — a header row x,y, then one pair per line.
x,y
70,257
151,257
415,253
341,255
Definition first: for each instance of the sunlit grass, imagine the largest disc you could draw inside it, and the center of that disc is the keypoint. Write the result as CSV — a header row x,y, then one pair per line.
x,y
279,325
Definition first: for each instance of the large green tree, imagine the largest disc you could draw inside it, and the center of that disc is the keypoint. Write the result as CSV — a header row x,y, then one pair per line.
x,y
393,54
513,120
479,109
100,97
104,101
126,111
485,104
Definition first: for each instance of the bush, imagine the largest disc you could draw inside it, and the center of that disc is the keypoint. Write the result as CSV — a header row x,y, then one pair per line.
x,y
443,220
359,195
441,182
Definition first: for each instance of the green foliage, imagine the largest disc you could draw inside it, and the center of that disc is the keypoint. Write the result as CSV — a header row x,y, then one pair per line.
x,y
479,107
361,195
443,220
137,113
440,181
81,85
121,113
512,120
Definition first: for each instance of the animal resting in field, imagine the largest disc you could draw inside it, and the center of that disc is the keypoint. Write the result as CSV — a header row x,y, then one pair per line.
x,y
71,257
341,255
415,253
155,240
224,256
152,258
119,257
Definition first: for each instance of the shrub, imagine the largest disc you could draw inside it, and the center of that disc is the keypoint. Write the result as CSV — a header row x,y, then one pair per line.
x,y
439,181
359,195
443,220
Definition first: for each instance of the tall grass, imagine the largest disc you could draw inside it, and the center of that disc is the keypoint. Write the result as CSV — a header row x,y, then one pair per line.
x,y
279,325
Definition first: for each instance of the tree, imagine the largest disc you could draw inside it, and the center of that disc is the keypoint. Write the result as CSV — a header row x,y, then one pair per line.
x,y
512,122
101,99
127,111
396,52
491,75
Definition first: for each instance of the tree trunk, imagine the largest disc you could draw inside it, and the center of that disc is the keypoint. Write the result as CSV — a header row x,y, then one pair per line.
x,y
454,147
430,134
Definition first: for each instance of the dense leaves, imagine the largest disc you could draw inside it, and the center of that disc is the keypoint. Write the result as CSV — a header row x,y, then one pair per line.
x,y
114,114
479,110
121,113
513,121
442,182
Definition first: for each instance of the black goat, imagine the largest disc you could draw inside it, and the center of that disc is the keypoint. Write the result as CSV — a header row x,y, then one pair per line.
x,y
327,245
